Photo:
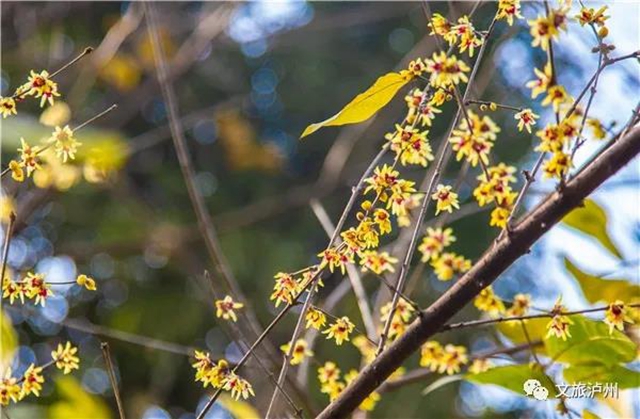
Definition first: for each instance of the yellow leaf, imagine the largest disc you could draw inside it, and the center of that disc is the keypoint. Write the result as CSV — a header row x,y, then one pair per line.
x,y
74,399
366,104
592,220
587,414
608,290
8,341
238,408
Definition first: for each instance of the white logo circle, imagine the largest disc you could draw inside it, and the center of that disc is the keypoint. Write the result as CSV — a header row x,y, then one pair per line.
x,y
540,393
530,385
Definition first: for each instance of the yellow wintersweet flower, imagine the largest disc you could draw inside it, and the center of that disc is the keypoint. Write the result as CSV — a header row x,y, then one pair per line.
x,y
16,171
36,288
416,67
521,305
508,9
446,199
590,15
596,127
499,217
41,86
340,330
329,372
480,365
452,359
32,381
542,82
487,301
446,71
13,290
411,145
447,264
315,318
285,290
7,106
559,324
65,358
556,96
616,315
377,262
440,26
9,389
526,119
467,33
238,386
300,351
552,138
366,348
65,145
225,308
431,355
434,242
558,165
87,282
29,157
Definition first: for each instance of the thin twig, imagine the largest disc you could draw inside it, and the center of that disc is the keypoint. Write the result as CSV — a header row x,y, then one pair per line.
x,y
5,253
352,272
106,354
483,322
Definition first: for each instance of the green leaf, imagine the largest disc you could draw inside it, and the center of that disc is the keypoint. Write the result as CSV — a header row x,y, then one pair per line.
x,y
513,377
590,342
602,373
608,290
75,399
366,104
592,220
536,329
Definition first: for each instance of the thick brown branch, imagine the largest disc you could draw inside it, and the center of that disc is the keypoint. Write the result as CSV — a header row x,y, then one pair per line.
x,y
493,263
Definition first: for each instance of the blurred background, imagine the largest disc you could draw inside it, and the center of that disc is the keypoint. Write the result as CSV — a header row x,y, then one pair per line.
x,y
249,77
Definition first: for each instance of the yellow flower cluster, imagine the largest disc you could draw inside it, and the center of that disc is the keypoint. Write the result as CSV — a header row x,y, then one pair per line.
x,y
35,287
401,317
377,262
462,32
497,189
474,143
488,301
435,242
445,264
40,85
13,389
61,139
423,113
446,71
330,384
448,359
220,376
65,358
411,145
